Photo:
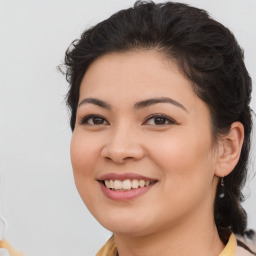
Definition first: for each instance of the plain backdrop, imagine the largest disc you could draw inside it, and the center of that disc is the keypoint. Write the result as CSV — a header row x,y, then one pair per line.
x,y
44,213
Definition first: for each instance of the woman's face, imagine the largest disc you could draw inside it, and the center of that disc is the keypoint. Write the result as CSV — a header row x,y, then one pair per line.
x,y
142,149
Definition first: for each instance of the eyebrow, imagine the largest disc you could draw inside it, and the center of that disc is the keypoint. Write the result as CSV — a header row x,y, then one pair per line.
x,y
138,105
94,101
149,102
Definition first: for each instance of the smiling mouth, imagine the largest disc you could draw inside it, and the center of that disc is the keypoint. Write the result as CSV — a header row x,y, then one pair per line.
x,y
127,184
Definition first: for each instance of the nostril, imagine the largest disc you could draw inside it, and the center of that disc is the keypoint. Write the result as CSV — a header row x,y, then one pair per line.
x,y
121,148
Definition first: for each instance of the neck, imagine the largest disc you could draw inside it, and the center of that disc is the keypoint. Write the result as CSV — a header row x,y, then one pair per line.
x,y
195,238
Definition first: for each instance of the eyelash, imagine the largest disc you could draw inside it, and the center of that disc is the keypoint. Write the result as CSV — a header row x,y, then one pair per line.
x,y
167,119
170,121
85,120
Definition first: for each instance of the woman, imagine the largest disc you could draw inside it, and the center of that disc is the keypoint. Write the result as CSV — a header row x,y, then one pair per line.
x,y
159,98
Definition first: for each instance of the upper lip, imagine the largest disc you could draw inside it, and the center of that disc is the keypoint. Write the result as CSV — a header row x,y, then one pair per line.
x,y
124,176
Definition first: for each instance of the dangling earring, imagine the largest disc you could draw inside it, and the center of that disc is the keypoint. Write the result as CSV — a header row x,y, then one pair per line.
x,y
222,188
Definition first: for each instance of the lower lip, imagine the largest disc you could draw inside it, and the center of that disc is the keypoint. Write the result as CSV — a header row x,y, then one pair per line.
x,y
124,195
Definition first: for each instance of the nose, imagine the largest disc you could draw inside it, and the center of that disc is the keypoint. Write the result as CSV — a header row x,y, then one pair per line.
x,y
123,145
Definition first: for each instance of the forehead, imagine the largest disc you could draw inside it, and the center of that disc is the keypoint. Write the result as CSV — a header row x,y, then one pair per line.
x,y
140,70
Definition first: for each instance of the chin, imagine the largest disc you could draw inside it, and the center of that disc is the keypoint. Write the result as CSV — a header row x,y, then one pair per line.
x,y
124,224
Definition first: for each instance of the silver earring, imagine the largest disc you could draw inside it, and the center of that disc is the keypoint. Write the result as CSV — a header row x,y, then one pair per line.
x,y
222,188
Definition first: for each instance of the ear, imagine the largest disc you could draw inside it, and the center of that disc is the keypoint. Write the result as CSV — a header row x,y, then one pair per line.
x,y
229,150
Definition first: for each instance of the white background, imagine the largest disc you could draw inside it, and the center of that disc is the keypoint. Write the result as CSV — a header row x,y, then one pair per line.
x,y
44,213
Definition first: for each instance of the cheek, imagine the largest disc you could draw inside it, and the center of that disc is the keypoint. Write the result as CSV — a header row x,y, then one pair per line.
x,y
84,154
187,174
184,159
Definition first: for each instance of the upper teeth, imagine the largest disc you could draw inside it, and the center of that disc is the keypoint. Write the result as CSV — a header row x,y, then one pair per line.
x,y
126,184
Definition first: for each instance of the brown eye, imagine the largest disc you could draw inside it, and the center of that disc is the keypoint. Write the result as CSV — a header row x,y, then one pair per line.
x,y
159,120
94,120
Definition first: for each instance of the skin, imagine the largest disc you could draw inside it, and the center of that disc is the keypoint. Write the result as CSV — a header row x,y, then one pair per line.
x,y
180,153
